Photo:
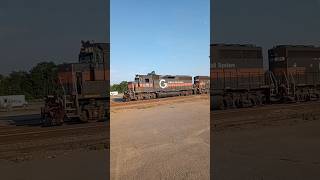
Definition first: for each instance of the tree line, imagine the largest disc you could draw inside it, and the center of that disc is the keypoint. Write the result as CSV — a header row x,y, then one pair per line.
x,y
40,81
121,88
34,84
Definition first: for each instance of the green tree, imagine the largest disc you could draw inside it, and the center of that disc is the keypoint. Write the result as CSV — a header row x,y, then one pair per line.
x,y
43,77
19,82
123,86
16,83
37,83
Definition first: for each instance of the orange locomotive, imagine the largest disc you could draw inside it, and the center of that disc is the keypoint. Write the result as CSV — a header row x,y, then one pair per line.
x,y
153,86
84,88
239,79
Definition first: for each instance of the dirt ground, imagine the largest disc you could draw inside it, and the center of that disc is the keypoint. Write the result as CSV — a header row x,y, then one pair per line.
x,y
271,143
161,139
31,152
166,139
156,139
78,165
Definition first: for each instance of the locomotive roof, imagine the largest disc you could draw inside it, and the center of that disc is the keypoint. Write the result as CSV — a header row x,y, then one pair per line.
x,y
201,77
297,47
100,45
163,75
175,76
234,45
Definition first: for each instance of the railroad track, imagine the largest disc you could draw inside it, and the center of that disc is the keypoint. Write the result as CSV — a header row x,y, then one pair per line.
x,y
143,104
266,107
160,100
15,135
267,115
11,128
23,153
252,121
25,142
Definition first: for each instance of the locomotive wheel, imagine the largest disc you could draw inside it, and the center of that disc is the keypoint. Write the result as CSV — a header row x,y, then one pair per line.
x,y
147,96
259,100
42,113
217,103
253,102
84,117
228,102
126,99
237,103
57,121
59,118
47,121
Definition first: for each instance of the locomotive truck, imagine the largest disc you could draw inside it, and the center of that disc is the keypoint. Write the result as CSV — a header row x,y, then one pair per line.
x,y
238,78
153,86
83,86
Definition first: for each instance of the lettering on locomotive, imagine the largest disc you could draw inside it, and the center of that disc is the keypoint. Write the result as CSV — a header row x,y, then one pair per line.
x,y
163,84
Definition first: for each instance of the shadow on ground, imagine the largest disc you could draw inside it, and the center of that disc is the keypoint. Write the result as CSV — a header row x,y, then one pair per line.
x,y
23,120
30,120
118,99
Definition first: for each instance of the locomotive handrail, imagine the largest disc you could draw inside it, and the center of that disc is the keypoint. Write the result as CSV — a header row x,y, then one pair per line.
x,y
294,83
76,90
274,82
64,92
287,82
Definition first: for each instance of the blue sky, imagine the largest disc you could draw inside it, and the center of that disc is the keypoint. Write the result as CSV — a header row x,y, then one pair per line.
x,y
169,37
266,23
32,31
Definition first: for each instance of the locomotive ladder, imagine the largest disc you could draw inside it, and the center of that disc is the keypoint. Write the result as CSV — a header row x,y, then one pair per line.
x,y
293,83
274,83
71,103
287,83
76,100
